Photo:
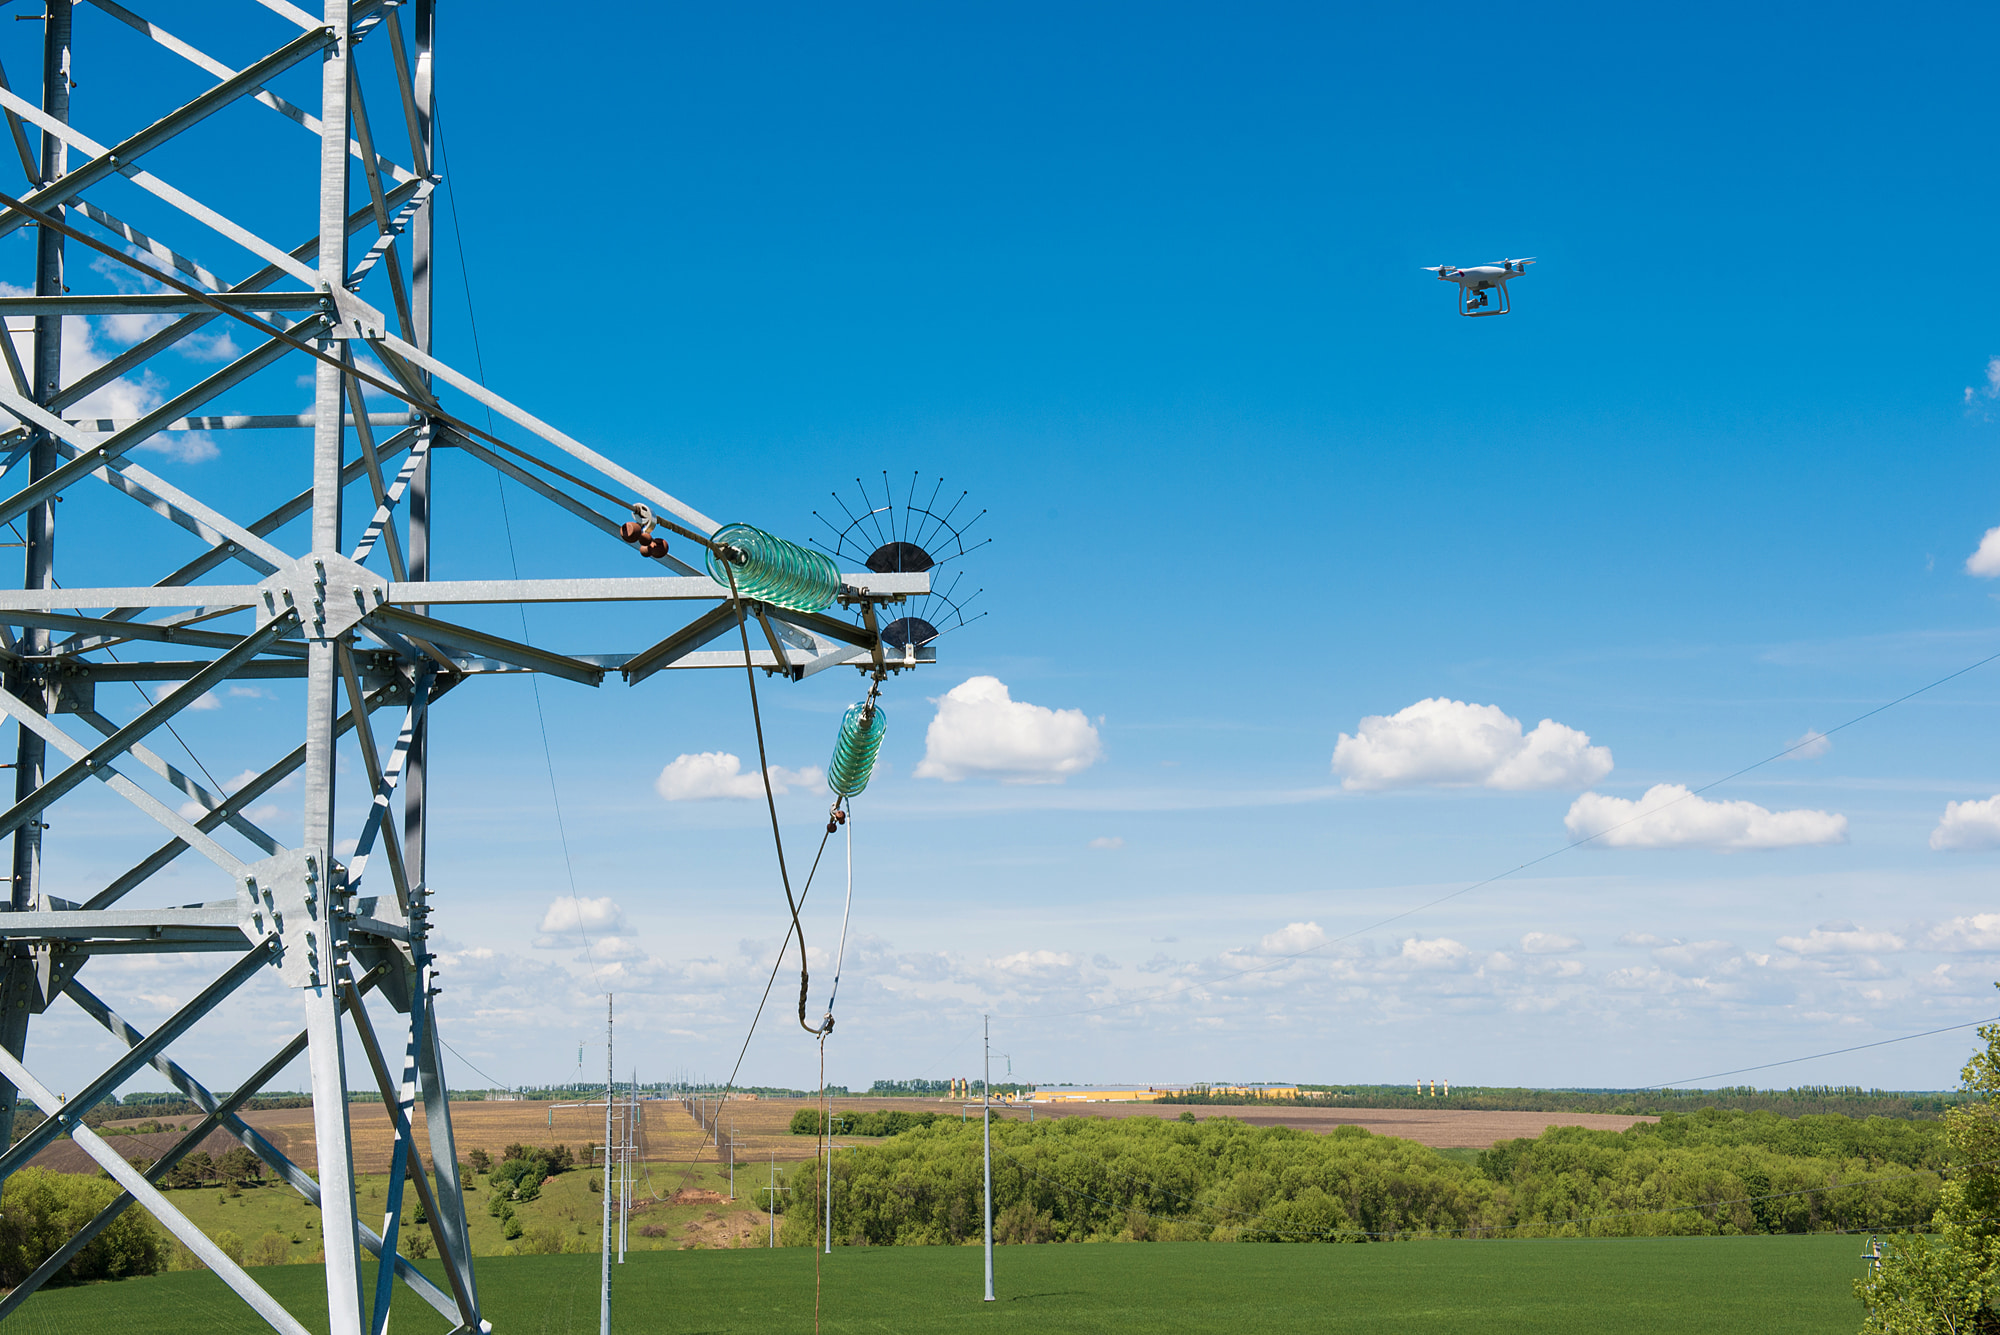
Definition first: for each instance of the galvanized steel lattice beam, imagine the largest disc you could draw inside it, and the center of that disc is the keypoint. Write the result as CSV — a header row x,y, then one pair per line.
x,y
366,628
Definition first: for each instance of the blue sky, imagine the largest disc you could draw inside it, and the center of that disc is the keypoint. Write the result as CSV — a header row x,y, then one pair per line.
x,y
1145,281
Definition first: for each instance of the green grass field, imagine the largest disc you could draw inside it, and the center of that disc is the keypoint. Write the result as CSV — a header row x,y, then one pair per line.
x,y
1658,1286
567,1206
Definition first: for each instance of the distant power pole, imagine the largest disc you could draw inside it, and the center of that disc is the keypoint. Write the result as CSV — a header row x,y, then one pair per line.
x,y
610,1080
986,1131
774,1189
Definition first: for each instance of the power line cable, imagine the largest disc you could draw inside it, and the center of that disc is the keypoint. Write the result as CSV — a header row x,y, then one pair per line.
x,y
187,750
770,797
514,560
1281,960
1858,1047
495,1084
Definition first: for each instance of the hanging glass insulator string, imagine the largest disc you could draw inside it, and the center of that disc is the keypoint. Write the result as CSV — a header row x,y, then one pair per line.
x,y
854,751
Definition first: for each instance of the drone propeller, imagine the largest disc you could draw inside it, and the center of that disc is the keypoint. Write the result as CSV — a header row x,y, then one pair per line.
x,y
1518,264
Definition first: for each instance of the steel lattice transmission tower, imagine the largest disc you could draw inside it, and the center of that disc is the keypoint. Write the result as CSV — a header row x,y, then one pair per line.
x,y
349,609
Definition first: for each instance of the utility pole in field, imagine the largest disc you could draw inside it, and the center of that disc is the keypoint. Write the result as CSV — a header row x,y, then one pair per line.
x,y
986,1132
604,1302
774,1189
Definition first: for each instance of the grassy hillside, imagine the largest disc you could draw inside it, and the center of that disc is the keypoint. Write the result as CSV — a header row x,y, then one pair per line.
x,y
565,1218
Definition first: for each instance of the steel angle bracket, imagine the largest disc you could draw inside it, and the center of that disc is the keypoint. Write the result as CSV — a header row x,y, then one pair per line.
x,y
54,965
288,894
330,593
374,943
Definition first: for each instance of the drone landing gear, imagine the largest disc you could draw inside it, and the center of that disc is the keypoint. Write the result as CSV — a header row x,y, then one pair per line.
x,y
1479,302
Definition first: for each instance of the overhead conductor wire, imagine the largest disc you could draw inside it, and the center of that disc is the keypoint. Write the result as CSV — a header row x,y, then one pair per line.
x,y
1278,961
785,877
513,557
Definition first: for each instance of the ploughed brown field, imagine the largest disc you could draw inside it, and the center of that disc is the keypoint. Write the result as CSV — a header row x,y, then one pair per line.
x,y
762,1127
1442,1129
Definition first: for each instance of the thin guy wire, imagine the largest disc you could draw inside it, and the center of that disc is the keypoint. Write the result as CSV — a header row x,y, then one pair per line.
x,y
1858,1047
496,1084
275,334
783,948
193,759
513,557
1692,793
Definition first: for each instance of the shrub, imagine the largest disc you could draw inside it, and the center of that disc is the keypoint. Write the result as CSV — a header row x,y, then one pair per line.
x,y
481,1161
417,1245
529,1190
230,1245
41,1210
511,1229
526,1164
543,1242
272,1249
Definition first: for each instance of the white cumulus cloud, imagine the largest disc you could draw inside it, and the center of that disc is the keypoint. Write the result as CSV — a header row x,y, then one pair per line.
x,y
1549,943
1292,938
1440,953
1450,743
1968,825
1985,562
980,729
704,775
1035,963
569,913
1980,933
1669,816
126,397
1842,938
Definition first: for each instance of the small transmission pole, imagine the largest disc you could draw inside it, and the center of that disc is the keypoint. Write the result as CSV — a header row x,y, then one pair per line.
x,y
986,1131
774,1189
604,1302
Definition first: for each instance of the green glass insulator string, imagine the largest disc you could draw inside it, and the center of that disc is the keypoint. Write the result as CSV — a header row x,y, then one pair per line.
x,y
772,570
854,751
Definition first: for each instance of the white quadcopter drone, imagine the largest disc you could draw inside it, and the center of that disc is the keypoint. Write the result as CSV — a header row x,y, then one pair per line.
x,y
1476,286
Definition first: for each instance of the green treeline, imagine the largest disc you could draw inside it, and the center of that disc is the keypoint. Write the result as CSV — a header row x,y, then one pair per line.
x,y
809,1122
1083,1179
1844,1100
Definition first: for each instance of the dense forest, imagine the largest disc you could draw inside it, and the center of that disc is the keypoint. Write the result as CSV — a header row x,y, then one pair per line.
x,y
1082,1179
